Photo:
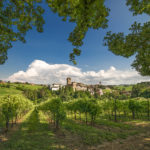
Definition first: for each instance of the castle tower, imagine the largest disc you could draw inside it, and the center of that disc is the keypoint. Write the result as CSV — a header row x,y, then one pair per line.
x,y
74,86
68,81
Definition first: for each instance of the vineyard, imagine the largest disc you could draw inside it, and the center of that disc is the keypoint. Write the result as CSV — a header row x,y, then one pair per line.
x,y
13,108
79,123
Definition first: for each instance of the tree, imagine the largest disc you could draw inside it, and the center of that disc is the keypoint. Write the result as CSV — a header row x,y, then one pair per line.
x,y
137,42
17,17
146,94
94,110
12,107
139,6
134,107
55,110
115,96
136,90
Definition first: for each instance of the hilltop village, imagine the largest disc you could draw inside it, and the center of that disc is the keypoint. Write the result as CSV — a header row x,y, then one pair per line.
x,y
79,87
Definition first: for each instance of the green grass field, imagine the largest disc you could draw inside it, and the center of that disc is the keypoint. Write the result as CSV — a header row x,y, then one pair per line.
x,y
9,91
12,90
126,88
28,86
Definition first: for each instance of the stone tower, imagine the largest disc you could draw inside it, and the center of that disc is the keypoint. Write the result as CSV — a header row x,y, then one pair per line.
x,y
74,86
68,81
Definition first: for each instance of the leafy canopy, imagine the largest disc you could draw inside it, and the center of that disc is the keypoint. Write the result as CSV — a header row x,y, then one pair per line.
x,y
16,18
137,42
19,16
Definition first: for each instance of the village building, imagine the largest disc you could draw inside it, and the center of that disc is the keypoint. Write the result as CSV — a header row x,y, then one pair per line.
x,y
55,87
83,87
2,82
127,93
93,89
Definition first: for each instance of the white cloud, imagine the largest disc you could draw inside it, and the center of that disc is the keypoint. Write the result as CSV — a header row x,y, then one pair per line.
x,y
42,72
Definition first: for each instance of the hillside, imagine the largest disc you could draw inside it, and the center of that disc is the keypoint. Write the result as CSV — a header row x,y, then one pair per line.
x,y
35,118
16,88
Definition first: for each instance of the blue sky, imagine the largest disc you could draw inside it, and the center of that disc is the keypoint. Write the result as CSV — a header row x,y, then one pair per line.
x,y
52,46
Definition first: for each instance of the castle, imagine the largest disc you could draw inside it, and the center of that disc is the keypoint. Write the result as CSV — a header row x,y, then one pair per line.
x,y
79,87
83,87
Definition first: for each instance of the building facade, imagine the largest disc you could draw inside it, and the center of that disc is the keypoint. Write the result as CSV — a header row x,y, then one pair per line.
x,y
83,87
55,87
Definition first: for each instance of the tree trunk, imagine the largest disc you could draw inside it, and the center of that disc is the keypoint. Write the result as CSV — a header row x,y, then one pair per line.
x,y
80,116
75,116
115,112
7,124
12,123
92,120
86,117
16,119
148,111
54,120
57,124
133,114
124,114
71,115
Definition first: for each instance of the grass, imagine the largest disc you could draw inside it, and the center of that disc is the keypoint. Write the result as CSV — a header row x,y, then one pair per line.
x,y
8,91
13,91
103,131
114,124
126,87
88,135
35,133
27,86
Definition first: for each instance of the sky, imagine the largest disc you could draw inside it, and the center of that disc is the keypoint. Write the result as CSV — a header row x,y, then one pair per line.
x,y
45,56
